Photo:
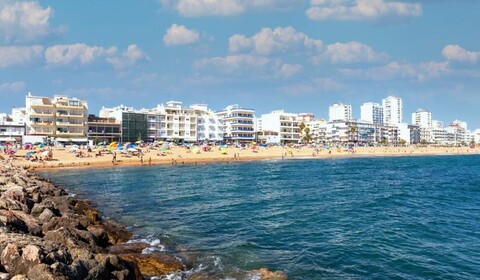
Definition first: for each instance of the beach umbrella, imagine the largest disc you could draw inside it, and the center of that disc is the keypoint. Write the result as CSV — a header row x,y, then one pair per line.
x,y
3,147
196,150
132,150
45,154
223,151
139,142
37,143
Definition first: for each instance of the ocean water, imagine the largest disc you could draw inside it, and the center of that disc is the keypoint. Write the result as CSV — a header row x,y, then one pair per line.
x,y
375,218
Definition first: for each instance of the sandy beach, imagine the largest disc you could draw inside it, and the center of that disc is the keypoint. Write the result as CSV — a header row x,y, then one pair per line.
x,y
99,157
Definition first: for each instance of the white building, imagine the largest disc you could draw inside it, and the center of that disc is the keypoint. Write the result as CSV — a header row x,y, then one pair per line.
x,y
285,124
339,111
238,124
371,112
422,118
10,130
209,126
392,110
61,118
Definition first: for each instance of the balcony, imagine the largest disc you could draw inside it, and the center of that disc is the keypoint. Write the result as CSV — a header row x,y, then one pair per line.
x,y
41,114
71,115
42,123
70,124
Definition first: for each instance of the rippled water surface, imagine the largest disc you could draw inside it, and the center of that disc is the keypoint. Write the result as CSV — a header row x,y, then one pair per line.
x,y
397,217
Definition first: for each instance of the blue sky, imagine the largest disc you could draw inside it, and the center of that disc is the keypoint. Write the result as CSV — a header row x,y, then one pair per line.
x,y
296,55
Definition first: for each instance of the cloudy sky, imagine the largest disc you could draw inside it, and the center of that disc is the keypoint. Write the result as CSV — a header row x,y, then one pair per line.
x,y
297,55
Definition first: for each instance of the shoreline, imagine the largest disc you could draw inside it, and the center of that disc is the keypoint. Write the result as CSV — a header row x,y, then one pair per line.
x,y
180,156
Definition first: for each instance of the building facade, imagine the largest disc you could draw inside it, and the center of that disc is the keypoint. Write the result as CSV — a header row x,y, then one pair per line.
x,y
392,110
339,111
371,112
60,118
422,118
103,129
285,124
237,124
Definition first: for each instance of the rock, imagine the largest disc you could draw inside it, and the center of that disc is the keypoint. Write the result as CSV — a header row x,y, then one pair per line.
x,y
13,222
32,254
100,234
19,277
74,271
30,222
10,204
37,209
10,257
42,272
117,233
79,253
58,222
266,274
154,264
46,216
71,238
60,255
127,248
86,208
201,275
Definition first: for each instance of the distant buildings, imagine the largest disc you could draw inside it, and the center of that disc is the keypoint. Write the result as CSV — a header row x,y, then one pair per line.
x,y
371,112
339,111
66,120
392,110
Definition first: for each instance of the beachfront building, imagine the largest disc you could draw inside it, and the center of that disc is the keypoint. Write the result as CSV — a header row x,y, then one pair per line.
x,y
180,122
456,133
60,118
371,112
285,124
238,124
11,130
392,110
339,111
103,129
133,122
422,118
209,126
317,130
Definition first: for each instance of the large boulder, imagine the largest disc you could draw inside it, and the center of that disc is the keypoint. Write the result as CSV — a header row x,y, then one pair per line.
x,y
156,264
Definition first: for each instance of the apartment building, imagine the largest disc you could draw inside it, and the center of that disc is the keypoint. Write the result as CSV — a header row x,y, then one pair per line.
x,y
285,124
339,111
237,124
422,118
392,110
10,130
371,112
61,118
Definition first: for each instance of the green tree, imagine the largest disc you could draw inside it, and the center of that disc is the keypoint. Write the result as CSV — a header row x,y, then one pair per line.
x,y
402,142
308,137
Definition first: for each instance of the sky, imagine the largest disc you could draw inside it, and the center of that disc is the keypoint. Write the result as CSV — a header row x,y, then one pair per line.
x,y
296,55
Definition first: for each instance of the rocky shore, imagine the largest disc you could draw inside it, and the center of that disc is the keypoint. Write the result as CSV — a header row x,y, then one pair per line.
x,y
47,234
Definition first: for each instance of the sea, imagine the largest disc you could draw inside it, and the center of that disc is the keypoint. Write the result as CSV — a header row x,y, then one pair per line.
x,y
345,218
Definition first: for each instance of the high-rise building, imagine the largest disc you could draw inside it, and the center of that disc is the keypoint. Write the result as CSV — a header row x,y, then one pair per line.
x,y
238,124
371,112
422,118
62,118
339,111
392,110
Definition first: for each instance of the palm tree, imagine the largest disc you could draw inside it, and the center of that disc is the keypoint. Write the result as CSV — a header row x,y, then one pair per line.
x,y
307,138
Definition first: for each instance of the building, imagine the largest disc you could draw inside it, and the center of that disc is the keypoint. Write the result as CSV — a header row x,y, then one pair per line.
x,y
422,118
392,110
371,112
133,122
339,111
285,124
237,124
103,129
10,130
60,118
209,126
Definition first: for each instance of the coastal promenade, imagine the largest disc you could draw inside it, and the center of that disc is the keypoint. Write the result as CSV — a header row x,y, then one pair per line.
x,y
65,157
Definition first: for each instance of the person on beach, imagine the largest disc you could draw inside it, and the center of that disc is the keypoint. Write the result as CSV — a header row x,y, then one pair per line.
x,y
149,161
114,159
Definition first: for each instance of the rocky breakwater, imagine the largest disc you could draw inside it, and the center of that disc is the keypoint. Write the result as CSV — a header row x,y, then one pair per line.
x,y
47,234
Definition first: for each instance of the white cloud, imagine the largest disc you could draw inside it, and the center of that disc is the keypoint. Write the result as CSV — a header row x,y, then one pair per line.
x,y
76,53
13,87
457,53
397,70
351,52
180,35
130,57
268,41
247,64
19,55
63,55
199,8
289,70
328,84
24,21
361,10
235,63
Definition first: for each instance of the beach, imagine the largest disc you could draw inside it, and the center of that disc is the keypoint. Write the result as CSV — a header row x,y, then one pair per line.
x,y
180,155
